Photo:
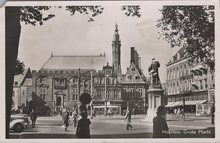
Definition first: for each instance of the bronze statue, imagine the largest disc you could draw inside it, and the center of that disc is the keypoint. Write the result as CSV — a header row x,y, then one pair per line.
x,y
154,74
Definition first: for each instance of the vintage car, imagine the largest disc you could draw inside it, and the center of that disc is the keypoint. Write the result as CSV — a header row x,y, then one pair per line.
x,y
18,122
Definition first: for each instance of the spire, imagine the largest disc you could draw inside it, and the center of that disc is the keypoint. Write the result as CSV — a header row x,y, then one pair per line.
x,y
51,54
116,27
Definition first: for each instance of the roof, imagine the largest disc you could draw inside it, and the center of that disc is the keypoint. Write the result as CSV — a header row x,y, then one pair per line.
x,y
75,62
28,82
21,77
107,66
133,72
175,58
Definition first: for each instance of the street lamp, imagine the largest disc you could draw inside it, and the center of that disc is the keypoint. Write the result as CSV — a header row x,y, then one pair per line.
x,y
105,102
213,112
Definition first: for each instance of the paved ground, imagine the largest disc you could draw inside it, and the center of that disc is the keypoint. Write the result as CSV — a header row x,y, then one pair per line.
x,y
114,127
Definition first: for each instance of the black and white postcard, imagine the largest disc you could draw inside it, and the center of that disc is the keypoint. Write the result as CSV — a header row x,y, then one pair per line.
x,y
109,70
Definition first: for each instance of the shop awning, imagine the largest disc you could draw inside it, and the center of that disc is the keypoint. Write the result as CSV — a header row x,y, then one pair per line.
x,y
177,103
174,104
111,106
195,102
169,104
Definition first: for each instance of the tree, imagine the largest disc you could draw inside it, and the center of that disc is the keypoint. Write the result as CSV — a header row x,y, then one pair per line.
x,y
191,27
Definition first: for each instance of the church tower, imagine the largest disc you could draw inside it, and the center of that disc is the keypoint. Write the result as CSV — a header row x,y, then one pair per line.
x,y
116,52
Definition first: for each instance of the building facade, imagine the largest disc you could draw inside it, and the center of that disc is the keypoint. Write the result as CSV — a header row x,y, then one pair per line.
x,y
107,91
62,79
188,82
134,86
22,89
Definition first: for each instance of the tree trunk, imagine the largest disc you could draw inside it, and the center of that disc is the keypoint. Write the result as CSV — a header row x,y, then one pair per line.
x,y
12,31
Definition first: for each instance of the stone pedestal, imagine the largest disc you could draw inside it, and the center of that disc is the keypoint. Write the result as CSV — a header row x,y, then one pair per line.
x,y
155,99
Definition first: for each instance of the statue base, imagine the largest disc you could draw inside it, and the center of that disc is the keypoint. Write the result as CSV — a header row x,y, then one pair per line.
x,y
155,99
150,115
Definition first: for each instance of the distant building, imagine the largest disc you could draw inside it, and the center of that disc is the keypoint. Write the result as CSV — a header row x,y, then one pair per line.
x,y
107,91
134,86
22,89
188,81
62,79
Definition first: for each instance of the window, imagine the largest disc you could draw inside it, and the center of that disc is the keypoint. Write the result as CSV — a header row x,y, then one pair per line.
x,y
107,81
205,83
133,69
137,77
16,83
129,77
140,90
186,85
200,83
42,93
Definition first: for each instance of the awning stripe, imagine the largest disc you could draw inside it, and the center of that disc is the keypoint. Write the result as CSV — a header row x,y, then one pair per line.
x,y
179,103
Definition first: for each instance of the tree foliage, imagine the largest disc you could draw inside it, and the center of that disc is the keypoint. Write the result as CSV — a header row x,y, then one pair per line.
x,y
132,10
191,27
91,11
34,14
19,69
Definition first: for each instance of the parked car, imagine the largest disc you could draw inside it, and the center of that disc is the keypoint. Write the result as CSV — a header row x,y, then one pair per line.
x,y
17,125
18,122
21,116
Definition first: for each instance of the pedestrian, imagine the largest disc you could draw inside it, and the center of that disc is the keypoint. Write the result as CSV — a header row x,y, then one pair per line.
x,y
128,120
83,130
175,111
178,112
74,118
109,113
66,119
33,116
160,128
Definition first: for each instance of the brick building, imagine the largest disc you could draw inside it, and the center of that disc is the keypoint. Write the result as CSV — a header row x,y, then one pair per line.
x,y
134,86
188,81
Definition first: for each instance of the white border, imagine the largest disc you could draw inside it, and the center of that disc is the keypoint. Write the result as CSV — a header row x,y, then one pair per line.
x,y
65,3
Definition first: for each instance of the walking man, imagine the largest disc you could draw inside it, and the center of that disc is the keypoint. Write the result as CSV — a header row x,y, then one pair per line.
x,y
83,130
66,119
33,116
128,120
160,128
74,118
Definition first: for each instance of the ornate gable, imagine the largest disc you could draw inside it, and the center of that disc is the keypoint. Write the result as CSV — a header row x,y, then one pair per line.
x,y
133,75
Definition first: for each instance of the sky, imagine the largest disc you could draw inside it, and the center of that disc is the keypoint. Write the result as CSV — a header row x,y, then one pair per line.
x,y
67,34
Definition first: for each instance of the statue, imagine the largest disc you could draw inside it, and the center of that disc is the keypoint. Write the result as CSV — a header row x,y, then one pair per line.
x,y
154,74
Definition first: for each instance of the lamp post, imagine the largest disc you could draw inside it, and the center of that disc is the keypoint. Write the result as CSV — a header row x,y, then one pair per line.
x,y
79,80
91,93
105,102
183,109
213,113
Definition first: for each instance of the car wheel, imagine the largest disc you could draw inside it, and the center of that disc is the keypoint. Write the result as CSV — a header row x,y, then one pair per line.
x,y
18,128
